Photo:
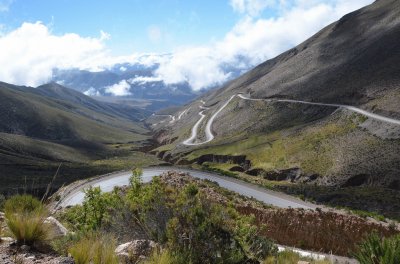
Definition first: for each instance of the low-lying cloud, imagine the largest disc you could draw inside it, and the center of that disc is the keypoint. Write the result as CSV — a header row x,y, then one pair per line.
x,y
119,89
32,51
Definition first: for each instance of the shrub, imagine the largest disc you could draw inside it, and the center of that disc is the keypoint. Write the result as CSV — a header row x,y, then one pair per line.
x,y
94,210
375,250
290,257
22,204
204,232
94,248
25,216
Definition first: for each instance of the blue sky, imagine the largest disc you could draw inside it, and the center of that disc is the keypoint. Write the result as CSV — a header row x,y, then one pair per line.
x,y
202,37
134,25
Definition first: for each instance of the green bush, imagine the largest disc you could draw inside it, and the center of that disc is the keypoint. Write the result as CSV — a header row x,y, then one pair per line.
x,y
375,250
204,232
25,216
191,228
94,210
22,204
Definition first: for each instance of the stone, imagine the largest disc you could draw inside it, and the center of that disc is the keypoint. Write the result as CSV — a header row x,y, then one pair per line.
x,y
57,228
303,262
135,250
66,260
25,248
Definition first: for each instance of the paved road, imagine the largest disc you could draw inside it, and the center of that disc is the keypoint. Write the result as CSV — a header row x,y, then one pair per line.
x,y
107,183
210,136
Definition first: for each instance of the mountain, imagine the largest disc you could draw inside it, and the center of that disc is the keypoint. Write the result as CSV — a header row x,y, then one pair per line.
x,y
353,62
137,80
45,126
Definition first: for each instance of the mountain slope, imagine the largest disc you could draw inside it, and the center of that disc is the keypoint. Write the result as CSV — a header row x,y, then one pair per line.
x,y
353,61
45,126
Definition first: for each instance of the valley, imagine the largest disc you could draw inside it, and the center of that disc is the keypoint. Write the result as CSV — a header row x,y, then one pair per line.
x,y
176,158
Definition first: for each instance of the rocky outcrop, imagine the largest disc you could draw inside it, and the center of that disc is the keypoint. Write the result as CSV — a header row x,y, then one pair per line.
x,y
239,160
291,175
135,251
237,168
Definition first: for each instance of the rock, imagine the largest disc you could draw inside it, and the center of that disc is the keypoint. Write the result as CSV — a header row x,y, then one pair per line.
x,y
8,239
66,260
237,168
135,250
57,228
303,262
25,248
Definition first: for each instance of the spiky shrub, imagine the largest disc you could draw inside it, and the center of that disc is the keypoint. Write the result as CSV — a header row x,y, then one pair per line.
x,y
94,248
25,216
375,250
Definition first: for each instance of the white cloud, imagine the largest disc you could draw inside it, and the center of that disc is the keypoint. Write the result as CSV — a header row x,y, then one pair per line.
x,y
5,5
92,92
119,89
104,35
144,79
254,39
31,52
251,7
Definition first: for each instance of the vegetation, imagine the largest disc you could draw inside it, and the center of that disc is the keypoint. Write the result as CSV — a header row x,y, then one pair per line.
x,y
192,228
25,216
316,230
94,248
310,150
377,250
290,257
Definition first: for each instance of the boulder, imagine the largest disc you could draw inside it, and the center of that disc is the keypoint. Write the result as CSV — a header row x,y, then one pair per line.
x,y
135,250
57,228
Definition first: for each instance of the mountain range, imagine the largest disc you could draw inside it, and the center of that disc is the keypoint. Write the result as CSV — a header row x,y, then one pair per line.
x,y
137,81
296,122
285,134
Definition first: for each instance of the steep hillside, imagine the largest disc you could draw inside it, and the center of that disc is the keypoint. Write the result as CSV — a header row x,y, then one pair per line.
x,y
45,126
351,62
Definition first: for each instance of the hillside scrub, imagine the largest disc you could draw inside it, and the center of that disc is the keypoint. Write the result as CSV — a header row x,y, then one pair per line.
x,y
197,220
193,228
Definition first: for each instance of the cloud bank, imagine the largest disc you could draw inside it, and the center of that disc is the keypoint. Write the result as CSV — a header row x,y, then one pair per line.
x,y
32,51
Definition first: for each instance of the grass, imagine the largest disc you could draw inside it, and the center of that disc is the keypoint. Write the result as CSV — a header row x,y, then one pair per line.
x,y
310,150
32,176
25,218
163,257
290,257
95,249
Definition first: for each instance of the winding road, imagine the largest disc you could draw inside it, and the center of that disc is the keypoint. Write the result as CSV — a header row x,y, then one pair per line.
x,y
210,136
76,194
